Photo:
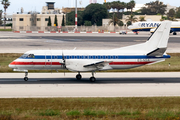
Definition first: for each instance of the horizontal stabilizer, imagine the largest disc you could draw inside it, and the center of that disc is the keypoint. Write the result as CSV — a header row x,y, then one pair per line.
x,y
157,52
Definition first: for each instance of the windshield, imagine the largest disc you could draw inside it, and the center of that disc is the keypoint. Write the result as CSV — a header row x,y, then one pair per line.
x,y
27,56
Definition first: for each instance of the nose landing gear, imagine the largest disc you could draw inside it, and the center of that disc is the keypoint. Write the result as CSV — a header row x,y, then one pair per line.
x,y
78,76
26,78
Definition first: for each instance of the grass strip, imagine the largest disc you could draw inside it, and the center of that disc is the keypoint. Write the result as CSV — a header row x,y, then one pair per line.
x,y
5,29
153,108
170,65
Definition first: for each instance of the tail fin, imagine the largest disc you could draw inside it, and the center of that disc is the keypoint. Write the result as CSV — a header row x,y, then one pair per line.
x,y
157,43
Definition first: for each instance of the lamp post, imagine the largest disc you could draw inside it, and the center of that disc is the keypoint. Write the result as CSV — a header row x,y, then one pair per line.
x,y
76,17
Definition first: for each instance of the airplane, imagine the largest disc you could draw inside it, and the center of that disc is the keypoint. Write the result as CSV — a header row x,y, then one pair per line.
x,y
152,25
150,52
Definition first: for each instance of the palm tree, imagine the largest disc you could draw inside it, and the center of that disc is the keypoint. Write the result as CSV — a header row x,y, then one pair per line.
x,y
132,4
1,16
6,4
114,20
108,6
123,6
128,6
114,5
132,18
119,7
141,18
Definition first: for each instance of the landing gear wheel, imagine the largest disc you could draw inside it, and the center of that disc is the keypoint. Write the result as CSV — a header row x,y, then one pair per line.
x,y
174,33
78,76
93,79
25,78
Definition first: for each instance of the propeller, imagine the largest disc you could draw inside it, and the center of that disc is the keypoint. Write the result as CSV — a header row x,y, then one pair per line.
x,y
64,62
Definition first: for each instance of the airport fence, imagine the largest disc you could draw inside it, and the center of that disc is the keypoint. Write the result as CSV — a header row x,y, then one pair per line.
x,y
71,28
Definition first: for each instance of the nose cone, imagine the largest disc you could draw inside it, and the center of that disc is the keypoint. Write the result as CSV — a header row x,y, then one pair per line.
x,y
12,65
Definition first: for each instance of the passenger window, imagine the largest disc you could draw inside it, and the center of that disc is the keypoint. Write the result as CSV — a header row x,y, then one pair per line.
x,y
55,57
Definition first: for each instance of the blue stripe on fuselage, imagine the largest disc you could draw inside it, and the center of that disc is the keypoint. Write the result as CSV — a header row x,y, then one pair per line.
x,y
97,57
175,29
142,29
148,29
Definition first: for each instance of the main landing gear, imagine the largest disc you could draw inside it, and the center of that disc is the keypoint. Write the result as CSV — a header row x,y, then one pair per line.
x,y
92,79
26,78
174,33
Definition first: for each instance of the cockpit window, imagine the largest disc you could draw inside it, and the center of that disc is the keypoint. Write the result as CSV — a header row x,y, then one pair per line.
x,y
24,56
27,56
31,56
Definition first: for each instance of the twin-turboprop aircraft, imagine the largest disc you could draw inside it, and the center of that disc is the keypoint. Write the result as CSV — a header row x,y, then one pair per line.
x,y
150,52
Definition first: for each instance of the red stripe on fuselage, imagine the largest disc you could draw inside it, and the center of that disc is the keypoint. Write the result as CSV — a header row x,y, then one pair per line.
x,y
35,63
129,63
57,63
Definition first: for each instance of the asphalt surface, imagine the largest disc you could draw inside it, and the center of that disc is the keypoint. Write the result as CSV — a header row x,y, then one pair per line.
x,y
107,85
21,43
12,85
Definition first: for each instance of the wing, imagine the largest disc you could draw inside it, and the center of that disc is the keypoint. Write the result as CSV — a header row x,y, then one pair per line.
x,y
99,65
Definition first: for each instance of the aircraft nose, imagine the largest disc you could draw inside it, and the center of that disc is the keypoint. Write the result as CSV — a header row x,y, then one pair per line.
x,y
12,65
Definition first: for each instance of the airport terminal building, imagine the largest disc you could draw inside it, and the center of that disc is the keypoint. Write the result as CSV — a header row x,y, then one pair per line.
x,y
34,21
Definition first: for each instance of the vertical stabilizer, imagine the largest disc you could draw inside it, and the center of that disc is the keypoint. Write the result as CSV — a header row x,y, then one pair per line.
x,y
160,37
157,43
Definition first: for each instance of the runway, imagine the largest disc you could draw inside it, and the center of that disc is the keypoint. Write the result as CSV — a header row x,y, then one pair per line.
x,y
107,85
21,43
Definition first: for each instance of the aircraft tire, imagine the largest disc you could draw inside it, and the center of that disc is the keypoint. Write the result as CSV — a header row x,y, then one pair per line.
x,y
93,79
78,77
25,78
174,33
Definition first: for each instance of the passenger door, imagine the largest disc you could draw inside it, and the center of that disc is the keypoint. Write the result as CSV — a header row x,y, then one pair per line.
x,y
48,60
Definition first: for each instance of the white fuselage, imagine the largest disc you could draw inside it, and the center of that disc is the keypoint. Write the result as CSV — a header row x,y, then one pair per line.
x,y
77,59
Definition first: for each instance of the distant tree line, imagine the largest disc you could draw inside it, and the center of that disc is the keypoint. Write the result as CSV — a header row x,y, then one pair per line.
x,y
94,13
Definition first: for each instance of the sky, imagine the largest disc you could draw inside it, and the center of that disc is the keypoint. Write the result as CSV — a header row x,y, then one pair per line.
x,y
36,5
